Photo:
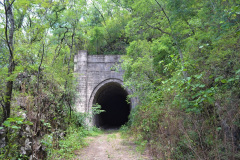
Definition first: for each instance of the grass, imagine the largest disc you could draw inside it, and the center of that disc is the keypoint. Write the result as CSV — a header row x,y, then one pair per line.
x,y
74,140
111,136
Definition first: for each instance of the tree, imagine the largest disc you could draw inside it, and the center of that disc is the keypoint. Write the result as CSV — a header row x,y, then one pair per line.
x,y
9,38
182,65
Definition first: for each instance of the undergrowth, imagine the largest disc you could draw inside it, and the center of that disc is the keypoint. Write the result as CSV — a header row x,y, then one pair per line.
x,y
67,146
126,133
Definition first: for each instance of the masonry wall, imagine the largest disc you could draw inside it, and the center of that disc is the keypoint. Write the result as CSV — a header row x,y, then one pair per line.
x,y
92,70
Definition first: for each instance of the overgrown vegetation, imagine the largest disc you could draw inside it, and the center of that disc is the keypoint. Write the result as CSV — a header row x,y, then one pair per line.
x,y
39,39
182,63
68,146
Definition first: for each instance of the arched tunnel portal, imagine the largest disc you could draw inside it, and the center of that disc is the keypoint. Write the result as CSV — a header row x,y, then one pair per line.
x,y
113,100
99,80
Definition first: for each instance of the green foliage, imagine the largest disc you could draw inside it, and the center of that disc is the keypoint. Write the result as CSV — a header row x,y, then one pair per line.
x,y
181,62
46,37
83,119
66,147
97,39
12,126
177,116
97,109
105,23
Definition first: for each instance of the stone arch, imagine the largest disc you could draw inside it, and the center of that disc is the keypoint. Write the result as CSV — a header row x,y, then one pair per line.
x,y
119,81
95,73
112,96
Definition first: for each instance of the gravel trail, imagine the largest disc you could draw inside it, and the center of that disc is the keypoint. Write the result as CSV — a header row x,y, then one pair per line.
x,y
110,146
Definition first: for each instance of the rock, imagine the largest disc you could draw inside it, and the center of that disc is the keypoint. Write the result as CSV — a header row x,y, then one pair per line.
x,y
22,114
23,151
28,145
28,130
44,147
2,131
2,142
31,157
61,135
2,138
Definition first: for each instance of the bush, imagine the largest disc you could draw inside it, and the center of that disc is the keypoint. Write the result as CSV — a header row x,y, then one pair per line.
x,y
72,142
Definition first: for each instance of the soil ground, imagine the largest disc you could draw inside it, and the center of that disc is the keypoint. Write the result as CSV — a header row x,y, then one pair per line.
x,y
110,146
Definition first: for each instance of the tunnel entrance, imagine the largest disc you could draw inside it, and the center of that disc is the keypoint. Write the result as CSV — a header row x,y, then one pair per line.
x,y
112,98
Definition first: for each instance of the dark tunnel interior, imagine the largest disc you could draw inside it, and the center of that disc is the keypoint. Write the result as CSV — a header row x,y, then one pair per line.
x,y
112,98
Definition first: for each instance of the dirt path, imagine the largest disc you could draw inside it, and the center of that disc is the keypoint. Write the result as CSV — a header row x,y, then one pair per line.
x,y
110,146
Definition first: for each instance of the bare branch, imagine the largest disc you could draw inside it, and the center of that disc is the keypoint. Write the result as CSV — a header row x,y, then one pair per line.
x,y
9,38
100,13
164,13
39,69
60,45
158,29
103,20
185,75
10,4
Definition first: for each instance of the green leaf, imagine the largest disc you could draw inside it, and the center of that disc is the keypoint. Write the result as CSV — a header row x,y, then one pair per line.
x,y
218,78
231,79
210,100
15,127
198,76
202,86
28,123
6,123
238,71
19,122
224,81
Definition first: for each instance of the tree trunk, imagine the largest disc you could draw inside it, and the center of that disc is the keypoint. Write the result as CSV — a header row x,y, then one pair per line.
x,y
11,67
